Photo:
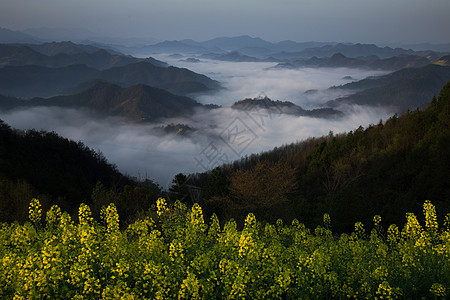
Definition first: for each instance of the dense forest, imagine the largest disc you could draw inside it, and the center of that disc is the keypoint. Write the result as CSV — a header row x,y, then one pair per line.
x,y
388,168
64,172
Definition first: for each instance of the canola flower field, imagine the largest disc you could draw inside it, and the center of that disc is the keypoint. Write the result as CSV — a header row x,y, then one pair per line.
x,y
177,255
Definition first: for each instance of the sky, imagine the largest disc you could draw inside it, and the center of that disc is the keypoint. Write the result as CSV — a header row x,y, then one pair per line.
x,y
364,21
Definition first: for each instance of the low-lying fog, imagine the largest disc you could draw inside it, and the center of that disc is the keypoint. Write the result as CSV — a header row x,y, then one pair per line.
x,y
249,79
222,135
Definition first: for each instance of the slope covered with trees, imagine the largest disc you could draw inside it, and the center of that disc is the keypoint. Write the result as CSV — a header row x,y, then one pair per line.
x,y
387,168
63,172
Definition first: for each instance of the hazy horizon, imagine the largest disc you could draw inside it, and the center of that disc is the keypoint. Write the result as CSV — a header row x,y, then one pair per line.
x,y
380,22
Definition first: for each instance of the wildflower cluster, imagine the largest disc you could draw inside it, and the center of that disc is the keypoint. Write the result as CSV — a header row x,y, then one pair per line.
x,y
35,211
178,255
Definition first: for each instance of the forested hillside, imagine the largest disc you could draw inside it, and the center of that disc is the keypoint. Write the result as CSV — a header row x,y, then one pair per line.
x,y
387,168
63,172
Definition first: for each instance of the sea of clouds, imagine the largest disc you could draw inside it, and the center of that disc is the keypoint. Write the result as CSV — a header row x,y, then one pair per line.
x,y
221,135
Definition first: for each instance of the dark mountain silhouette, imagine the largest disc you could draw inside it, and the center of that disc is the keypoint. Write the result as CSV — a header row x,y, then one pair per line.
x,y
50,34
66,47
218,45
19,55
10,36
7,102
260,53
38,81
55,169
137,103
338,60
247,45
267,52
191,60
353,51
283,107
177,80
31,81
178,130
231,56
428,46
298,46
172,47
235,43
401,90
254,49
59,171
69,54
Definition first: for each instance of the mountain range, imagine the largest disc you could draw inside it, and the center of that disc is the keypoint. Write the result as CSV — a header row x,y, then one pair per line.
x,y
58,55
65,68
355,50
286,51
11,36
30,81
339,60
144,103
246,45
66,47
37,81
173,79
232,56
136,103
401,90
291,54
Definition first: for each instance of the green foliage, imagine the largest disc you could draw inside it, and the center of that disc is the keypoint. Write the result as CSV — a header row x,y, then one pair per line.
x,y
387,169
130,201
217,183
179,189
59,171
176,254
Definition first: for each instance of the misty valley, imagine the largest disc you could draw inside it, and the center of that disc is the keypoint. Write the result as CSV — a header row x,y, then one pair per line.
x,y
188,107
199,147
117,103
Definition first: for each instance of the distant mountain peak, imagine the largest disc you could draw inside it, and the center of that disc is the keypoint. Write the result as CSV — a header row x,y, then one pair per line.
x,y
408,88
136,103
262,102
338,55
8,36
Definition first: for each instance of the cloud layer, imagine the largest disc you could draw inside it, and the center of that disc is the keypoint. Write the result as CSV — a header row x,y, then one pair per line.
x,y
222,134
